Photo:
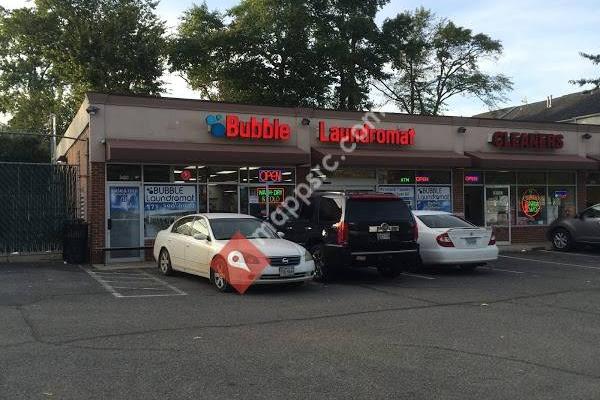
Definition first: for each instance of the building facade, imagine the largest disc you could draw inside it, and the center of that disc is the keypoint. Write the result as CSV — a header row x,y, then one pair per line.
x,y
144,161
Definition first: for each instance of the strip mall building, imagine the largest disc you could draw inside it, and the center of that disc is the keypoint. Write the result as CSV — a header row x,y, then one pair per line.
x,y
144,161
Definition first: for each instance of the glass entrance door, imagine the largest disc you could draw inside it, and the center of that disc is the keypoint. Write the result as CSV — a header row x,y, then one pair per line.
x,y
497,211
124,223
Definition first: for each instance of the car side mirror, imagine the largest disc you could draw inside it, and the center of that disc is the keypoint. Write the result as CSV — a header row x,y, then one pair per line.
x,y
201,236
281,234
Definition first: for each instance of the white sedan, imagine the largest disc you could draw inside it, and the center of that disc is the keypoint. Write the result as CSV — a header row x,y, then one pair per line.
x,y
208,244
450,240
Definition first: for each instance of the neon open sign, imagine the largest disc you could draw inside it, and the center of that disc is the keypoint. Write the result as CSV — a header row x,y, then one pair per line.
x,y
270,175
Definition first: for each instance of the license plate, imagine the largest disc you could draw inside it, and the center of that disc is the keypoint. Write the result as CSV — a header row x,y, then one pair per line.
x,y
286,271
383,236
471,241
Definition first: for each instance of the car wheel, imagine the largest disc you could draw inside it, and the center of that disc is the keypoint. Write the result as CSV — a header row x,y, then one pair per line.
x,y
217,278
388,271
164,263
561,240
323,273
468,267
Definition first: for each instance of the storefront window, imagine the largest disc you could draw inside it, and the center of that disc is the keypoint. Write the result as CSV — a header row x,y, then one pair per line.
x,y
157,173
531,178
165,203
531,205
271,175
223,174
473,178
561,178
223,198
561,202
396,177
123,172
433,178
593,196
202,204
593,178
406,193
434,198
500,178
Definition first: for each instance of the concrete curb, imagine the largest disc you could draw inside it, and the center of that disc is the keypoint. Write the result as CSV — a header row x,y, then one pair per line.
x,y
523,247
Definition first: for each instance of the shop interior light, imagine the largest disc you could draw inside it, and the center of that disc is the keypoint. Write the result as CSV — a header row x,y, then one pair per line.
x,y
315,169
230,191
201,166
286,173
252,168
226,172
177,171
190,167
212,175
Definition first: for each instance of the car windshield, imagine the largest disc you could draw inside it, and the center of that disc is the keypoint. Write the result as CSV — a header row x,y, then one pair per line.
x,y
250,228
444,221
368,210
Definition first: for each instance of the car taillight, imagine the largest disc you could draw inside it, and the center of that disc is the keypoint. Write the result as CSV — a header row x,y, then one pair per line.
x,y
444,240
415,231
342,233
492,239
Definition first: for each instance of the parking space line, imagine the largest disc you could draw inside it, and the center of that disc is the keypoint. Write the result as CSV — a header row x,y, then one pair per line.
x,y
418,276
121,288
502,270
105,285
551,262
574,254
181,292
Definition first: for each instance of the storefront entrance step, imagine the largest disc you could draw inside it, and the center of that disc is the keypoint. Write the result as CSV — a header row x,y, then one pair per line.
x,y
522,247
124,265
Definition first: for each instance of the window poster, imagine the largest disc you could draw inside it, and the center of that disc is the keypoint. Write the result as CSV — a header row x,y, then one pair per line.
x,y
435,198
406,193
165,203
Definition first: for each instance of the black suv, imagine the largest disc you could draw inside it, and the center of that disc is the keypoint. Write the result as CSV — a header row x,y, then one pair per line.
x,y
353,230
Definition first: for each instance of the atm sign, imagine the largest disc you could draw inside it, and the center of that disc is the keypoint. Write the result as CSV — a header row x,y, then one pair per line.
x,y
270,175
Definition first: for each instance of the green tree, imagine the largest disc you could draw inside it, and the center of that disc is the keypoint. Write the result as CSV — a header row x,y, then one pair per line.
x,y
431,60
263,55
595,59
346,37
54,52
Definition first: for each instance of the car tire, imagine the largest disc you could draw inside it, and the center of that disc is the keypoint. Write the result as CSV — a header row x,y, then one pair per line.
x,y
468,267
164,263
562,240
388,271
219,281
323,273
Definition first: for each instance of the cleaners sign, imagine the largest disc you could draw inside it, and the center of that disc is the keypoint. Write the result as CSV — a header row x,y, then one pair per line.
x,y
167,198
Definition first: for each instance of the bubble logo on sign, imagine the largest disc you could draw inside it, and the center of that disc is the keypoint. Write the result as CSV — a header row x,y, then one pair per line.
x,y
215,125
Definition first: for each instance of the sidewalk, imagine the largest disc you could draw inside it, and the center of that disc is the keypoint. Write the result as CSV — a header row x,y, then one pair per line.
x,y
515,248
125,266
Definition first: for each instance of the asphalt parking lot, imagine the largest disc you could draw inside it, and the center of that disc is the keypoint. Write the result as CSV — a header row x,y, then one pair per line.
x,y
525,327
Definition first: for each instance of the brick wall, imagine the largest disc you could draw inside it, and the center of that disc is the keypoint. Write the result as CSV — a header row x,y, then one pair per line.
x,y
529,234
78,155
96,214
458,198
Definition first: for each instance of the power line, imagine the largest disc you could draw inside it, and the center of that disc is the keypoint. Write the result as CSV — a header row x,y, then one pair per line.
x,y
40,135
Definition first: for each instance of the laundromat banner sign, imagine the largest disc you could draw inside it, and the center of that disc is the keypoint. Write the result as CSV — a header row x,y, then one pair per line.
x,y
365,134
436,198
167,199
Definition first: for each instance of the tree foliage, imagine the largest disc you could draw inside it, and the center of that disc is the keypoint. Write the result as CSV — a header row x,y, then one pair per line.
x,y
432,60
284,52
595,59
54,52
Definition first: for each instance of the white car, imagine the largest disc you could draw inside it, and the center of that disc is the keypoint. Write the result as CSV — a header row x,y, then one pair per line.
x,y
449,240
194,244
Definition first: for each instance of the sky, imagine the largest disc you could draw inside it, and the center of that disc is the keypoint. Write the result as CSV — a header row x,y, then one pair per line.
x,y
541,39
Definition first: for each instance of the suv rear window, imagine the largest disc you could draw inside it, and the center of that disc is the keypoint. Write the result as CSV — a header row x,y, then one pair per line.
x,y
366,210
444,221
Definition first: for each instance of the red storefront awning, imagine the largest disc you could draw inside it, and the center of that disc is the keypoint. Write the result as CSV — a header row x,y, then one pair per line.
x,y
181,152
531,161
392,158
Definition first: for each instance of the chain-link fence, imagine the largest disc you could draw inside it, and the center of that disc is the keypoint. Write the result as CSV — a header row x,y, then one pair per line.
x,y
36,201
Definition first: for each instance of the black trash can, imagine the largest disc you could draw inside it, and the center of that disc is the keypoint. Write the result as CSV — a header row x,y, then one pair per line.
x,y
75,238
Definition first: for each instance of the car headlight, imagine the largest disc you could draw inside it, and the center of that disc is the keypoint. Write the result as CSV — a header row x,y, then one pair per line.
x,y
307,256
